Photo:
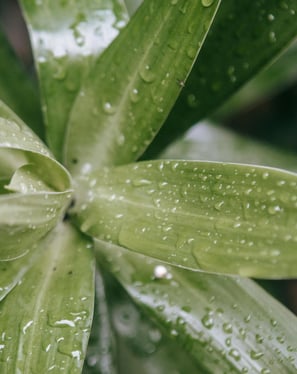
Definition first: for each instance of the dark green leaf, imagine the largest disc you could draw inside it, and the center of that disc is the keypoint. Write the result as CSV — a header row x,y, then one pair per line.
x,y
218,217
46,319
246,35
131,88
17,90
227,324
66,37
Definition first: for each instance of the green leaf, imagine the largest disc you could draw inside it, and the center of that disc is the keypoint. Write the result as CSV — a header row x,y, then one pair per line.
x,y
45,321
31,201
17,90
131,88
67,36
228,218
100,357
11,272
209,142
223,322
245,37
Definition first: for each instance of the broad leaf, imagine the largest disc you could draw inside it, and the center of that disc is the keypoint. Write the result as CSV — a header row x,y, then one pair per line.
x,y
223,322
209,142
228,218
66,37
31,201
17,90
245,37
131,88
52,309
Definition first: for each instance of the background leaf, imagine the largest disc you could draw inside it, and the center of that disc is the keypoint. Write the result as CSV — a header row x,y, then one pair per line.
x,y
17,89
225,322
66,37
219,217
245,50
52,308
210,142
131,88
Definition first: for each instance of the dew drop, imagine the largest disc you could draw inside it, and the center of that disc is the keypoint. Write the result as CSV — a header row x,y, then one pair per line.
x,y
235,354
146,74
207,3
256,355
108,108
208,321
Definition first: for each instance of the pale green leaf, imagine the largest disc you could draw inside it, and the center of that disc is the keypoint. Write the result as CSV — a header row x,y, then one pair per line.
x,y
245,37
17,90
131,88
218,217
46,319
32,201
66,38
226,324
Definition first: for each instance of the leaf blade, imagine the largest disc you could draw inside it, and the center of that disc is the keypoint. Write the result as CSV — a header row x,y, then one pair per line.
x,y
66,37
132,77
51,335
246,51
202,313
217,217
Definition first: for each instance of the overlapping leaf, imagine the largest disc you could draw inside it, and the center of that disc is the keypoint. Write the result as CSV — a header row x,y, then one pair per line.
x,y
35,189
52,308
66,37
131,88
228,218
244,38
225,323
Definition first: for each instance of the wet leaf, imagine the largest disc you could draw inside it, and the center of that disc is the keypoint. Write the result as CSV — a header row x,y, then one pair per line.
x,y
101,353
52,309
233,53
218,217
17,90
132,77
31,201
67,36
223,322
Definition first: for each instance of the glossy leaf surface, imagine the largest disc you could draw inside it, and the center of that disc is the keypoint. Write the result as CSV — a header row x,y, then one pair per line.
x,y
245,49
66,37
17,90
228,218
223,322
52,309
31,201
132,87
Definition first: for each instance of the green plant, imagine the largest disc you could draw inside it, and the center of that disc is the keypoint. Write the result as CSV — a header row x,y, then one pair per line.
x,y
106,90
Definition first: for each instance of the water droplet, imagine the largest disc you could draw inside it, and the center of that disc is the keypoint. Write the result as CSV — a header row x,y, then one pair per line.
x,y
256,355
272,37
270,17
146,74
227,327
207,3
235,354
134,95
108,108
208,321
161,272
274,209
265,371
